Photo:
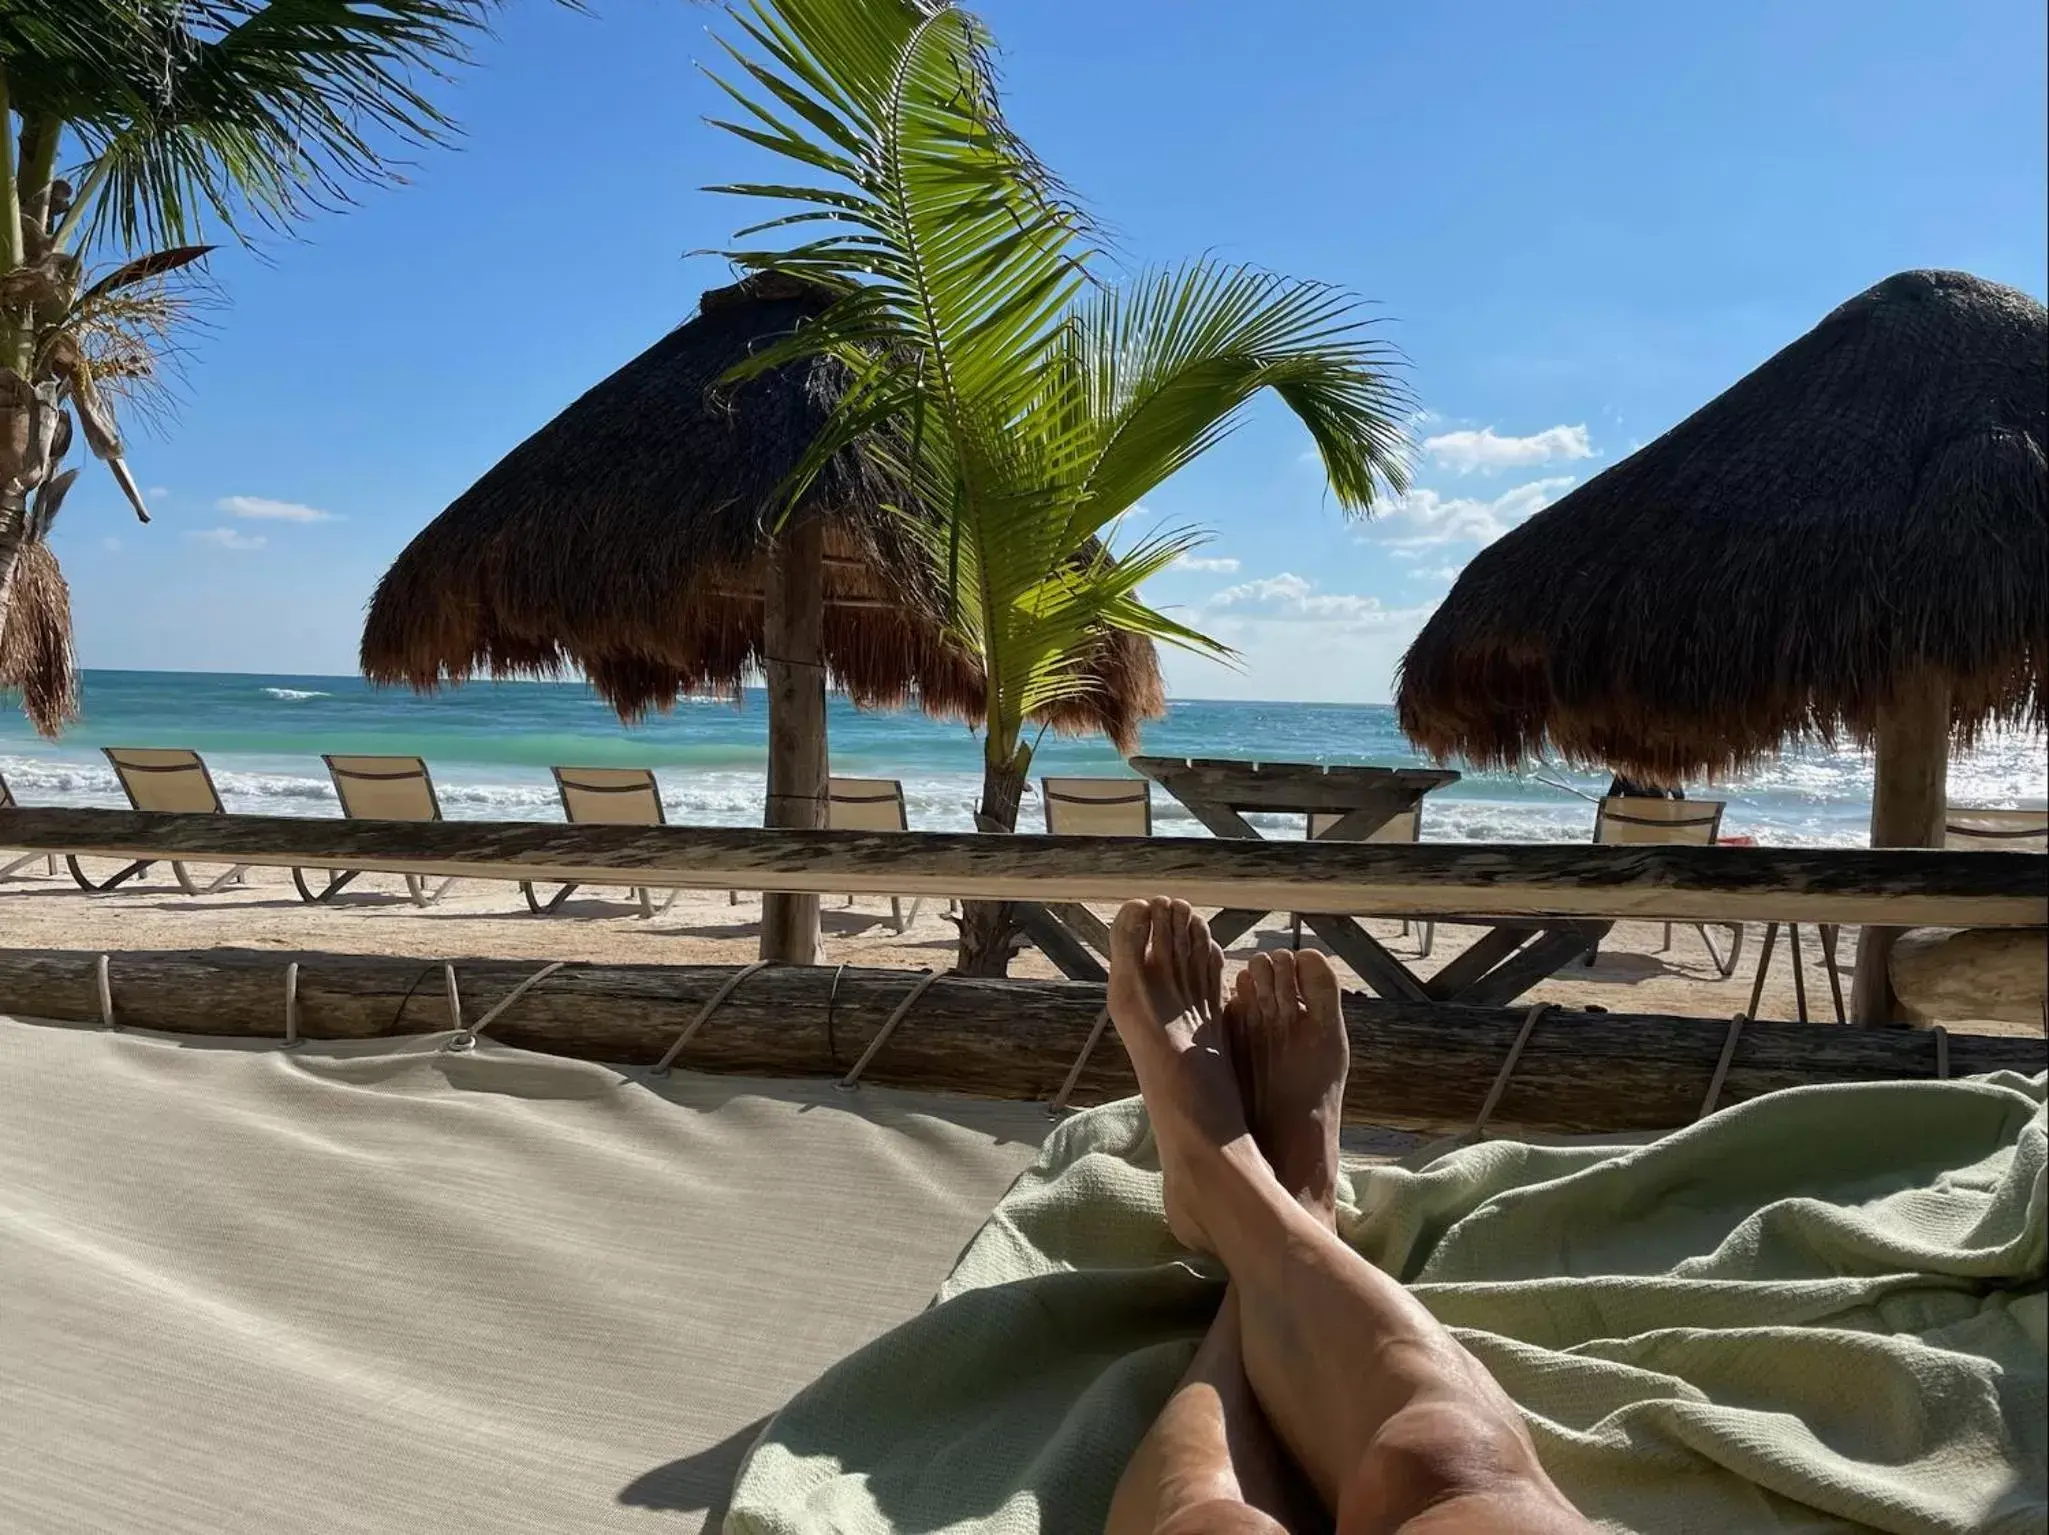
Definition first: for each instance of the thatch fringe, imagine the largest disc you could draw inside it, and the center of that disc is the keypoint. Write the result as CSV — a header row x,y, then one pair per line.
x,y
36,655
1873,500
627,540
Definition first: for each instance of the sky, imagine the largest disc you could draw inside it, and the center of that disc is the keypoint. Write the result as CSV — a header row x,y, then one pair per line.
x,y
1577,222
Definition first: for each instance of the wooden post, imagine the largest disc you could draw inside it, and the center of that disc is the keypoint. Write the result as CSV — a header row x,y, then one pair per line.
x,y
792,621
1908,798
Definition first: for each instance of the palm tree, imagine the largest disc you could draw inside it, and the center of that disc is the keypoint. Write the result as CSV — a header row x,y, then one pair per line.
x,y
240,114
1026,404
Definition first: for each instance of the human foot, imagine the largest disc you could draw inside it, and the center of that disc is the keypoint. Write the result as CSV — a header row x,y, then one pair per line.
x,y
1287,1030
1167,1000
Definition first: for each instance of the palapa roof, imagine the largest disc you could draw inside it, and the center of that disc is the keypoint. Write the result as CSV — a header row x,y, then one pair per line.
x,y
1872,500
628,539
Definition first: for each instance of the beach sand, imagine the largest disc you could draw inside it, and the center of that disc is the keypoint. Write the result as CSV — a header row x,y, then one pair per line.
x,y
481,919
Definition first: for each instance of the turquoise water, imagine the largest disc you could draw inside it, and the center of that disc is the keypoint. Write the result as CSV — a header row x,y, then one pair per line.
x,y
490,746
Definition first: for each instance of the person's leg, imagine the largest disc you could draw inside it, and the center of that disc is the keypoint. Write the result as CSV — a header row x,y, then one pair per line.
x,y
1210,1461
1395,1424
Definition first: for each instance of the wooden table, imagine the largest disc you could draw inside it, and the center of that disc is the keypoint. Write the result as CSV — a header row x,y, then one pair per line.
x,y
1512,956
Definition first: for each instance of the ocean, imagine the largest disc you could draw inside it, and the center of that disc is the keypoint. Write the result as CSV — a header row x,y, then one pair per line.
x,y
490,745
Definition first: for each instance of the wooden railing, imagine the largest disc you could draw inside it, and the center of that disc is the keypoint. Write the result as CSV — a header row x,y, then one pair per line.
x,y
1900,888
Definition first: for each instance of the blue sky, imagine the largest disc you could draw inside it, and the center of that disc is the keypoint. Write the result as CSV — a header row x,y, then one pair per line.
x,y
1578,221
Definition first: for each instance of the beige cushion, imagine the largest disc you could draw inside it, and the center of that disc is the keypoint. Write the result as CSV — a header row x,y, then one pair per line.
x,y
384,788
378,1287
164,780
610,796
865,804
1628,818
2011,831
1098,807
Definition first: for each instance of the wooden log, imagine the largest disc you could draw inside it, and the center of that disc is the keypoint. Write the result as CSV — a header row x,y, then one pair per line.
x,y
793,667
1909,793
1429,879
1414,1065
1948,974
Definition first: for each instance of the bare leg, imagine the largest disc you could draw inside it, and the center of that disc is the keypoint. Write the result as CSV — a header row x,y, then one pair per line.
x,y
1397,1427
1210,1462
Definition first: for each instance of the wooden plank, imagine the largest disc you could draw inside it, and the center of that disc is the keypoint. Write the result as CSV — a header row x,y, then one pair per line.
x,y
1539,962
1911,888
1474,961
1070,956
1414,1066
1084,924
1367,956
1283,786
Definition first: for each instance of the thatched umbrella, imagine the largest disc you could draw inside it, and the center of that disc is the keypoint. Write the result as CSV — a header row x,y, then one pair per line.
x,y
631,539
1851,541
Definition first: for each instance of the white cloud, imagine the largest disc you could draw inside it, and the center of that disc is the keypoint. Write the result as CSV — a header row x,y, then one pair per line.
x,y
1288,596
1441,519
1435,575
227,538
1219,564
263,509
1489,453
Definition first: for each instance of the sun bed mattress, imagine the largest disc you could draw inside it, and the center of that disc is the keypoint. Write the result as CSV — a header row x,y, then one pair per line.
x,y
384,1287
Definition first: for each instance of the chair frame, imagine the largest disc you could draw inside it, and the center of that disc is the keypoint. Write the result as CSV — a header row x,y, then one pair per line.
x,y
236,875
418,886
8,871
1049,796
643,896
1604,816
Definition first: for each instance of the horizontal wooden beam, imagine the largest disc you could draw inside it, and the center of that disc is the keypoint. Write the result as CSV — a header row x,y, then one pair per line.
x,y
1899,887
1415,1066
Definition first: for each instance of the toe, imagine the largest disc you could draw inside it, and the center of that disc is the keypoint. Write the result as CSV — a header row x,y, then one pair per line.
x,y
1159,948
1187,958
1318,984
1286,1001
1128,934
1261,968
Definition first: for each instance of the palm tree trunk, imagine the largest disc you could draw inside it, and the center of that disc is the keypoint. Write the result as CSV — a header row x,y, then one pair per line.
x,y
987,929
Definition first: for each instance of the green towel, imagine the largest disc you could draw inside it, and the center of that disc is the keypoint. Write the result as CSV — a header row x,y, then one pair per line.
x,y
1821,1310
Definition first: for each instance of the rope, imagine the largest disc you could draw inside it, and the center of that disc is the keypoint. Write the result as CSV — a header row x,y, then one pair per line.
x,y
661,1067
852,1079
832,997
1501,1078
1714,1092
1058,1105
466,1039
1941,1052
105,987
292,1005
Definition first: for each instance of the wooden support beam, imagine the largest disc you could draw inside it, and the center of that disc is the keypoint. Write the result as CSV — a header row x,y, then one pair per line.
x,y
1909,792
794,668
1495,881
1414,1065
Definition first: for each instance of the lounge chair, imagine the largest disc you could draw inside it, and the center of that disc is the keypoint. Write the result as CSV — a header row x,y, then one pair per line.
x,y
606,797
1995,831
380,789
1405,827
1098,807
8,802
871,804
1669,822
162,781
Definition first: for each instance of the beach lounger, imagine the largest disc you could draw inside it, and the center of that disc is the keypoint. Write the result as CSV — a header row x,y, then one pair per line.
x,y
1995,831
1098,807
162,781
380,789
1406,827
607,797
1669,822
7,802
871,804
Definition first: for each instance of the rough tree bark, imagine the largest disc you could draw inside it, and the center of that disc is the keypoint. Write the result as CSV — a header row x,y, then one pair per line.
x,y
793,622
988,932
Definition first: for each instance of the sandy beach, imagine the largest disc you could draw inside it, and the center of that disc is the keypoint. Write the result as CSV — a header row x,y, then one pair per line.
x,y
479,919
